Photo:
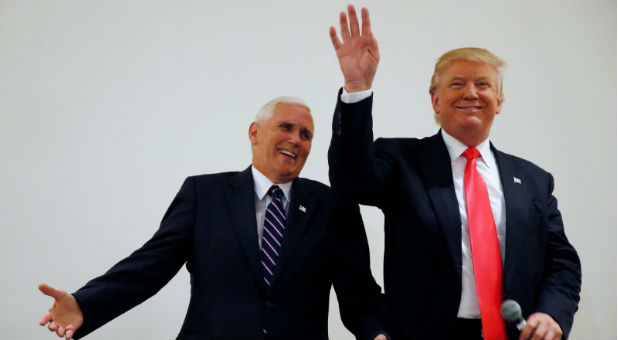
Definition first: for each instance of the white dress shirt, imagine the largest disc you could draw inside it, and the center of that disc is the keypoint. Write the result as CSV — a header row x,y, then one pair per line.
x,y
487,167
262,199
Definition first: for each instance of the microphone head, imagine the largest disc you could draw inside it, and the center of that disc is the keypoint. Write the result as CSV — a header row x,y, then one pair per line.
x,y
511,311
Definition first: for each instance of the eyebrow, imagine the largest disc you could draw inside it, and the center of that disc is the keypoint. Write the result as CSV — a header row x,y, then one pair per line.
x,y
290,124
305,130
459,77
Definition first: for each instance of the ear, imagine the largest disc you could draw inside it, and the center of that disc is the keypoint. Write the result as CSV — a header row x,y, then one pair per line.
x,y
435,102
253,131
499,106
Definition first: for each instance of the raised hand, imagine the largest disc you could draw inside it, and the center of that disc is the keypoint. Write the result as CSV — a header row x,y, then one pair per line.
x,y
358,54
65,316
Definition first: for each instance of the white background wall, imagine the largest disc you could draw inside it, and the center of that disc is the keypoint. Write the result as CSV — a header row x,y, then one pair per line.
x,y
106,106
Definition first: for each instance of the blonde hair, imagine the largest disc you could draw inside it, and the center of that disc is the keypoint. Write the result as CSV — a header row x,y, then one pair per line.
x,y
471,54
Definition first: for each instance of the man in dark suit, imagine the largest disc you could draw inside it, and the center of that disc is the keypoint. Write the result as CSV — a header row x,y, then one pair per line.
x,y
263,248
466,225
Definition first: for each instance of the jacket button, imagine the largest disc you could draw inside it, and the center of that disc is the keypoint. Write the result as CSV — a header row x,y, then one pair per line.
x,y
264,331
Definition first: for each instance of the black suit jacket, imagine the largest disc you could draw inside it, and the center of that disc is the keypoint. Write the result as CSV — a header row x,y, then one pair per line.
x,y
211,227
411,181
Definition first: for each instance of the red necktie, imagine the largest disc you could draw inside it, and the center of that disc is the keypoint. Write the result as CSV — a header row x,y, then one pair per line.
x,y
485,249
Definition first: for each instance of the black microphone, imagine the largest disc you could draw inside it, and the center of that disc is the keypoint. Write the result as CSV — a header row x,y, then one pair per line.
x,y
511,312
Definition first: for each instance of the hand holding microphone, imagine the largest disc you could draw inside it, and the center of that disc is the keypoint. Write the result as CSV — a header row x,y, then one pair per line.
x,y
539,325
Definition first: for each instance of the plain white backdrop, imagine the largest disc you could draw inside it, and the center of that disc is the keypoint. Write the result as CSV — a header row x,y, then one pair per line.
x,y
106,106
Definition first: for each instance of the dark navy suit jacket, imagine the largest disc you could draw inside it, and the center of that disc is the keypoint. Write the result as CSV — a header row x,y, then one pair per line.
x,y
411,181
211,227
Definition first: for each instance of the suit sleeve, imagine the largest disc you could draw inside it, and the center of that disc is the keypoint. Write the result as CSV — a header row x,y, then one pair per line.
x,y
559,294
361,303
357,168
142,274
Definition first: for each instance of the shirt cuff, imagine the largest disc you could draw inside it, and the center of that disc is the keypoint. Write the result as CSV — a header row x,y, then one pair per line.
x,y
354,97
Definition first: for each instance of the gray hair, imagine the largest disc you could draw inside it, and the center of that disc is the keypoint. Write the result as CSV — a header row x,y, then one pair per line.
x,y
267,110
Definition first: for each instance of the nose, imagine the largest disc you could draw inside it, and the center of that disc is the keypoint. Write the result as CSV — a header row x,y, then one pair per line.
x,y
470,92
294,139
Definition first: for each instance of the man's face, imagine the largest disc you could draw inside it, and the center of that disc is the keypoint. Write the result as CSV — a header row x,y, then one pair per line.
x,y
466,100
281,144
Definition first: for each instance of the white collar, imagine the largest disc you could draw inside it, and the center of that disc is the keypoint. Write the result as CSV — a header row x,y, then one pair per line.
x,y
456,148
262,184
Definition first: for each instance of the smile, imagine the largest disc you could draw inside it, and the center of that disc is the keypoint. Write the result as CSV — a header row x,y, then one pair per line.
x,y
287,153
468,108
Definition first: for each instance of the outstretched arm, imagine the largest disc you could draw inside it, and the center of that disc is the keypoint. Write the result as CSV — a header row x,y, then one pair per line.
x,y
358,54
130,281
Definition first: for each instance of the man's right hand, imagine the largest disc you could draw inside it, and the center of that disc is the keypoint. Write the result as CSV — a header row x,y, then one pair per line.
x,y
65,316
358,54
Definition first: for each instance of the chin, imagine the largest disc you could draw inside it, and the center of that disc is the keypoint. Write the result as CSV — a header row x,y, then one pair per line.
x,y
471,123
285,176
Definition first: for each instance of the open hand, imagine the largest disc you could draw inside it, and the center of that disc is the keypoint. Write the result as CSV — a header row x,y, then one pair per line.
x,y
358,54
65,316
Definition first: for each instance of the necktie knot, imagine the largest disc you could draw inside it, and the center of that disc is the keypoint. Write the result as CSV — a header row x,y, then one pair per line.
x,y
471,153
275,192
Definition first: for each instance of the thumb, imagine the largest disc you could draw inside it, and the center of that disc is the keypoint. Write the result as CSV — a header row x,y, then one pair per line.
x,y
49,291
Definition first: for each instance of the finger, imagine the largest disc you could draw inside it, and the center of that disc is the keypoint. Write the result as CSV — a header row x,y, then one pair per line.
x,y
343,25
525,333
354,30
47,317
49,290
533,321
551,335
69,331
540,332
366,21
52,326
334,39
380,337
60,332
555,329
557,333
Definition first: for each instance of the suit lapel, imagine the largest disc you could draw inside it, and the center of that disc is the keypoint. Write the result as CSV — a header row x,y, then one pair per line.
x,y
299,211
516,201
241,206
435,163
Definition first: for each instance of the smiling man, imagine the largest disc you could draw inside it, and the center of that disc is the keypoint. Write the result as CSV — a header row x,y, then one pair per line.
x,y
466,225
263,248
273,150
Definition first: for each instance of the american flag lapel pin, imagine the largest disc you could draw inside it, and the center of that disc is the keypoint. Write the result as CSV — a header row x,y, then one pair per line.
x,y
302,208
516,180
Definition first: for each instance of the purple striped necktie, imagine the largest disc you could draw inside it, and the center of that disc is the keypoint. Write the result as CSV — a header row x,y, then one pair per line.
x,y
274,229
